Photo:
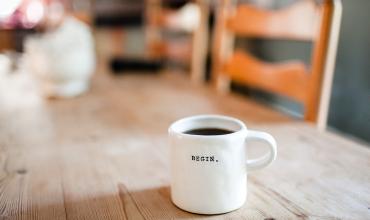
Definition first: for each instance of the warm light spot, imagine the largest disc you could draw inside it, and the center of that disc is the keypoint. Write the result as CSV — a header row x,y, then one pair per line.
x,y
34,12
7,7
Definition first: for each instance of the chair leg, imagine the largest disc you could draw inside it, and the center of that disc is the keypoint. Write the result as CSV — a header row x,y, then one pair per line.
x,y
223,45
200,44
330,65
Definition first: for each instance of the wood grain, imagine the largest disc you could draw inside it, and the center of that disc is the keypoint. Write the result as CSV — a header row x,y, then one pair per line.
x,y
104,155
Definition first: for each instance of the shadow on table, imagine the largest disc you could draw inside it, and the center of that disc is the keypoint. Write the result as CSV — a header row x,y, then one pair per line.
x,y
154,203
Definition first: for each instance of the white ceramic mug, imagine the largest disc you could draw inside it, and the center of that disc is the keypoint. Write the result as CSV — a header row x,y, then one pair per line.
x,y
209,172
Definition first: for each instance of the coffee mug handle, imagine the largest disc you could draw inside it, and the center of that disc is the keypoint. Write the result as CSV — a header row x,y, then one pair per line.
x,y
263,161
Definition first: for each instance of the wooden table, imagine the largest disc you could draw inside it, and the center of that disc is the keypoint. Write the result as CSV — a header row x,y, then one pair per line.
x,y
104,155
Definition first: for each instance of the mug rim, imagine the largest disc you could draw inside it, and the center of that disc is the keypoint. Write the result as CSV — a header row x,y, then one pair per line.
x,y
242,127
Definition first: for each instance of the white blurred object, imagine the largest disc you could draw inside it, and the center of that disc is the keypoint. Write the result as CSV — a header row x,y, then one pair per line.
x,y
63,59
7,7
187,18
5,64
34,11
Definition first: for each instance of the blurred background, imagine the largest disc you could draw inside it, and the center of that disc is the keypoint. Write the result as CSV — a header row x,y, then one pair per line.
x,y
121,36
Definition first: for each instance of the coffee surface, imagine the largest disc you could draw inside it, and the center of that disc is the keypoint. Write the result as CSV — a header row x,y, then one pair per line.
x,y
208,131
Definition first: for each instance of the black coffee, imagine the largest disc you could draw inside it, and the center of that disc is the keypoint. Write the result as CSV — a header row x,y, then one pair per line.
x,y
208,131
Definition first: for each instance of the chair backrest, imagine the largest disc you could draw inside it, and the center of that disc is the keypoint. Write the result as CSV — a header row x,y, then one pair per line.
x,y
306,20
191,19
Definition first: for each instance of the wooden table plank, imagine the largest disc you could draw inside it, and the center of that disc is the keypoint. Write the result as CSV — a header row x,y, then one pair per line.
x,y
104,155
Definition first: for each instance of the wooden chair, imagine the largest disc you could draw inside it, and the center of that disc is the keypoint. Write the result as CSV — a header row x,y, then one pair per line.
x,y
304,20
192,52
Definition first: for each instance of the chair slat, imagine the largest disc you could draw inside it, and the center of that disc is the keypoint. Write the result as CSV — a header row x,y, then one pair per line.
x,y
286,78
308,20
297,22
